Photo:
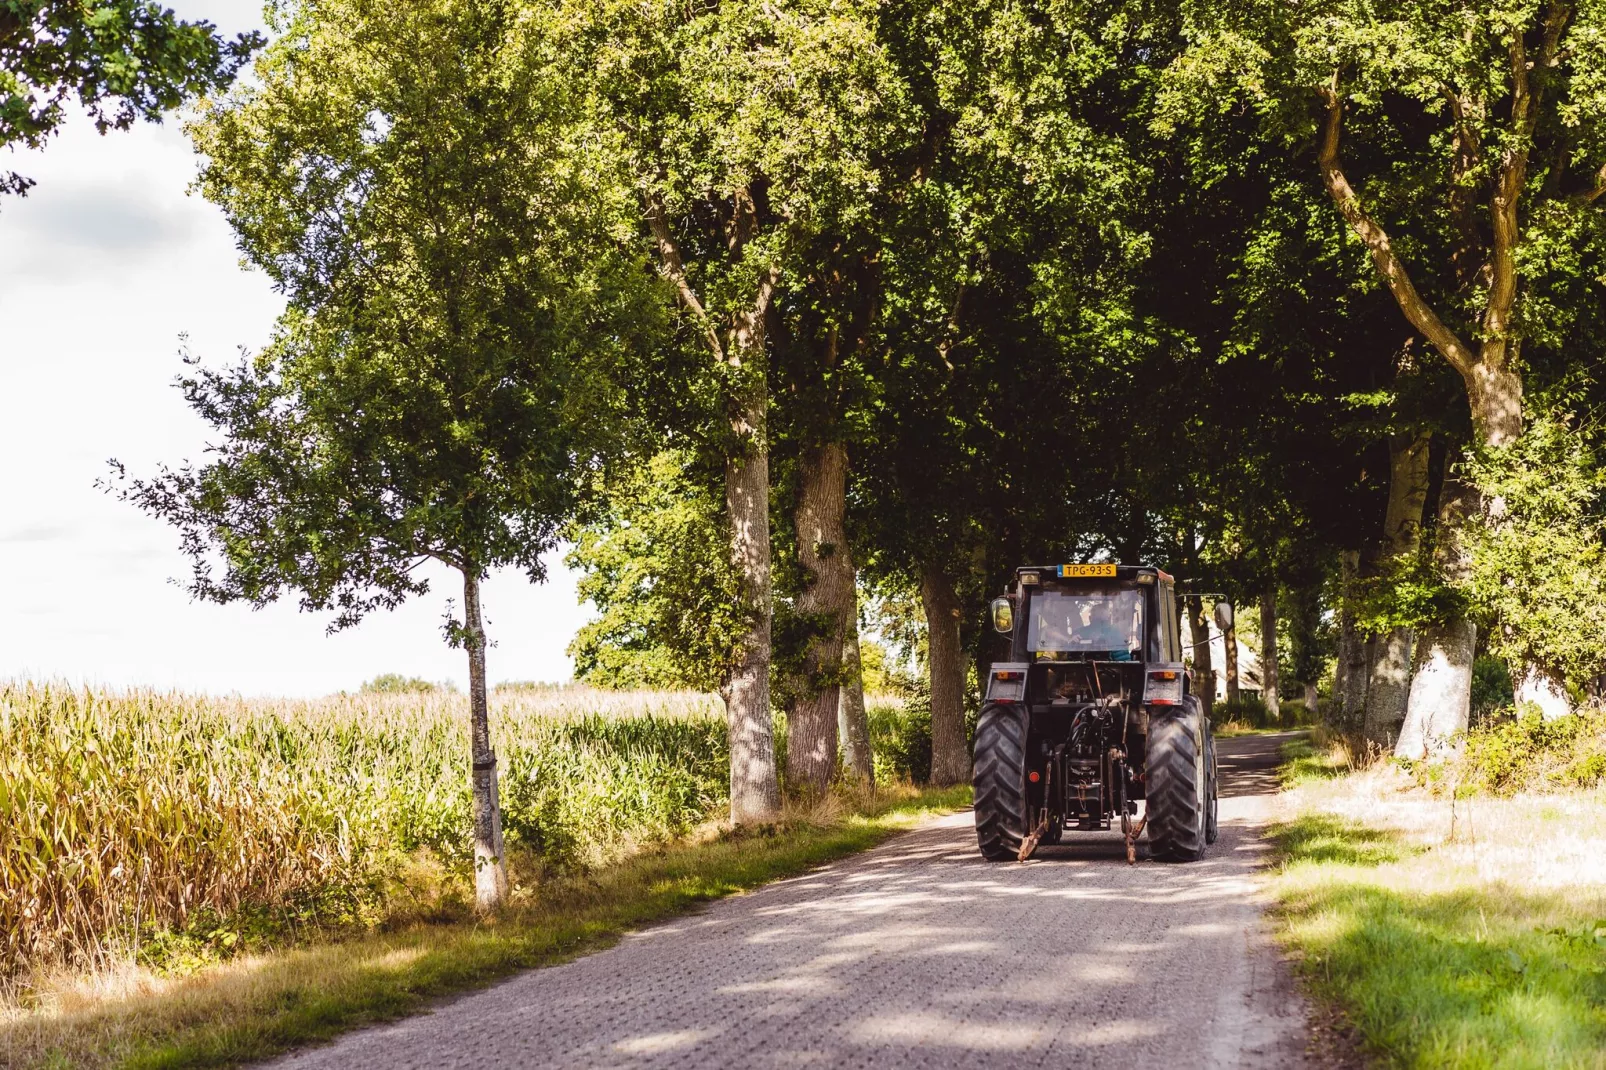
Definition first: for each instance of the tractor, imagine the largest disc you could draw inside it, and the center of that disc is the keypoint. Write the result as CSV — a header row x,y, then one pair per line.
x,y
1093,713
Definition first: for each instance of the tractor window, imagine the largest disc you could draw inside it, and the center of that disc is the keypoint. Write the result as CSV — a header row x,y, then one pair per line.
x,y
1086,620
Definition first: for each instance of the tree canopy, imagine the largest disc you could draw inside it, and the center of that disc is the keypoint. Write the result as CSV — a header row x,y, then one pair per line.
x,y
121,60
771,303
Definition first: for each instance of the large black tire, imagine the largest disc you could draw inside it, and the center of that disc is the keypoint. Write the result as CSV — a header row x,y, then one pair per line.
x,y
1000,782
1177,780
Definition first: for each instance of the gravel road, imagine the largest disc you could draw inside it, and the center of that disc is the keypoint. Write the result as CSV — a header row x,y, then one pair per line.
x,y
915,954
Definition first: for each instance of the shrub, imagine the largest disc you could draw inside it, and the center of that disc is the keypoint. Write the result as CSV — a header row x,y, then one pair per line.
x,y
394,683
1538,575
1522,751
900,737
1251,710
1491,687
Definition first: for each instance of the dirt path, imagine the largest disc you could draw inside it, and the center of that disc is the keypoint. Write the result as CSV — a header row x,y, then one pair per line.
x,y
916,954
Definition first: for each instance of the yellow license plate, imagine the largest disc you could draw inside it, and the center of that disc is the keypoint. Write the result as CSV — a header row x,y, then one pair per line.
x,y
1087,570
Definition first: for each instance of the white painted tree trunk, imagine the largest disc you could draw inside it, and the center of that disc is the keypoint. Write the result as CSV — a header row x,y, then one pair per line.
x,y
490,863
1388,674
755,787
1538,687
1438,707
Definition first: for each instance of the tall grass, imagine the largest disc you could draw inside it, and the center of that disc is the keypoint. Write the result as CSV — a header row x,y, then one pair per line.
x,y
129,816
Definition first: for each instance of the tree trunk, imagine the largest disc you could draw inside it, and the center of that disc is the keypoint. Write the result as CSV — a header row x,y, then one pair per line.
x,y
1539,688
950,759
1349,686
1438,706
826,601
1440,701
755,792
1388,675
1303,613
853,722
490,864
1388,685
1203,669
1268,654
1229,642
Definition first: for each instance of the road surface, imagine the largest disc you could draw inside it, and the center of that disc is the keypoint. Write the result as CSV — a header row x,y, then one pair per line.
x,y
915,954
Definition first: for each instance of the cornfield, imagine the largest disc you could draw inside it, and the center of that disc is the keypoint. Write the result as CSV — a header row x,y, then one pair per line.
x,y
125,815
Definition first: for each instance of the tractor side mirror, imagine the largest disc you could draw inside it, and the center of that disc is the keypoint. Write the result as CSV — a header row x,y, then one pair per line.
x,y
1224,616
1003,615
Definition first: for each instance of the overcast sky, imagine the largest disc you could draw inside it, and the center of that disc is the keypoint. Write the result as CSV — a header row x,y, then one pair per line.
x,y
103,267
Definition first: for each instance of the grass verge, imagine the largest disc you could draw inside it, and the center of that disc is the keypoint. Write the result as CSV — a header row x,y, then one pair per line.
x,y
1447,936
255,1007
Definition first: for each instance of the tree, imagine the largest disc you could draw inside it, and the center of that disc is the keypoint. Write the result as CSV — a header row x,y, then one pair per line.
x,y
823,319
1550,529
751,128
1460,142
439,386
121,60
653,560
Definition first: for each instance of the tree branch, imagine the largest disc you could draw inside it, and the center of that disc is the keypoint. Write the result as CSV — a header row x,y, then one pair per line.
x,y
1421,315
1590,196
1525,98
671,267
1467,150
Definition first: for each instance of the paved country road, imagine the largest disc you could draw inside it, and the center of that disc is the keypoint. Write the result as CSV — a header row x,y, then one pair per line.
x,y
915,954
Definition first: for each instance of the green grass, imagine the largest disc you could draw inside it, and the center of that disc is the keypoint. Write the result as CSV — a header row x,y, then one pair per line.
x,y
251,1008
1433,964
1311,757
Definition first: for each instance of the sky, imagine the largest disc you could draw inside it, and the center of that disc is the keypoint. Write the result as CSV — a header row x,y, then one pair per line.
x,y
107,268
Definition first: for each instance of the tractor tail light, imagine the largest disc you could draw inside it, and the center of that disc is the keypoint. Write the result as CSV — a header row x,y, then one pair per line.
x,y
1165,689
1007,685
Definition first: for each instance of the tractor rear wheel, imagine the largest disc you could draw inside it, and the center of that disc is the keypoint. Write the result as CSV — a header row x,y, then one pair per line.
x,y
1212,815
1178,781
1000,782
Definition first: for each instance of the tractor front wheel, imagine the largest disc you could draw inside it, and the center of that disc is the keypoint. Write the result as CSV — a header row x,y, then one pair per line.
x,y
1178,781
1000,782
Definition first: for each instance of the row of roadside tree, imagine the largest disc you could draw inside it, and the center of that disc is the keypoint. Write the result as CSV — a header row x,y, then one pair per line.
x,y
765,305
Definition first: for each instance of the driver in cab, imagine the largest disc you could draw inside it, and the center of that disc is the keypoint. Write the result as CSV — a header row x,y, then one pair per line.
x,y
1102,632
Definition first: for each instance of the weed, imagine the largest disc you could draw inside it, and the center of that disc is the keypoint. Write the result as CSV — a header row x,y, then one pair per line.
x,y
1317,755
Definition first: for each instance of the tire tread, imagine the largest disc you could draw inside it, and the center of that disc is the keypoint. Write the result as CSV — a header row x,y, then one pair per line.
x,y
1000,784
1171,775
